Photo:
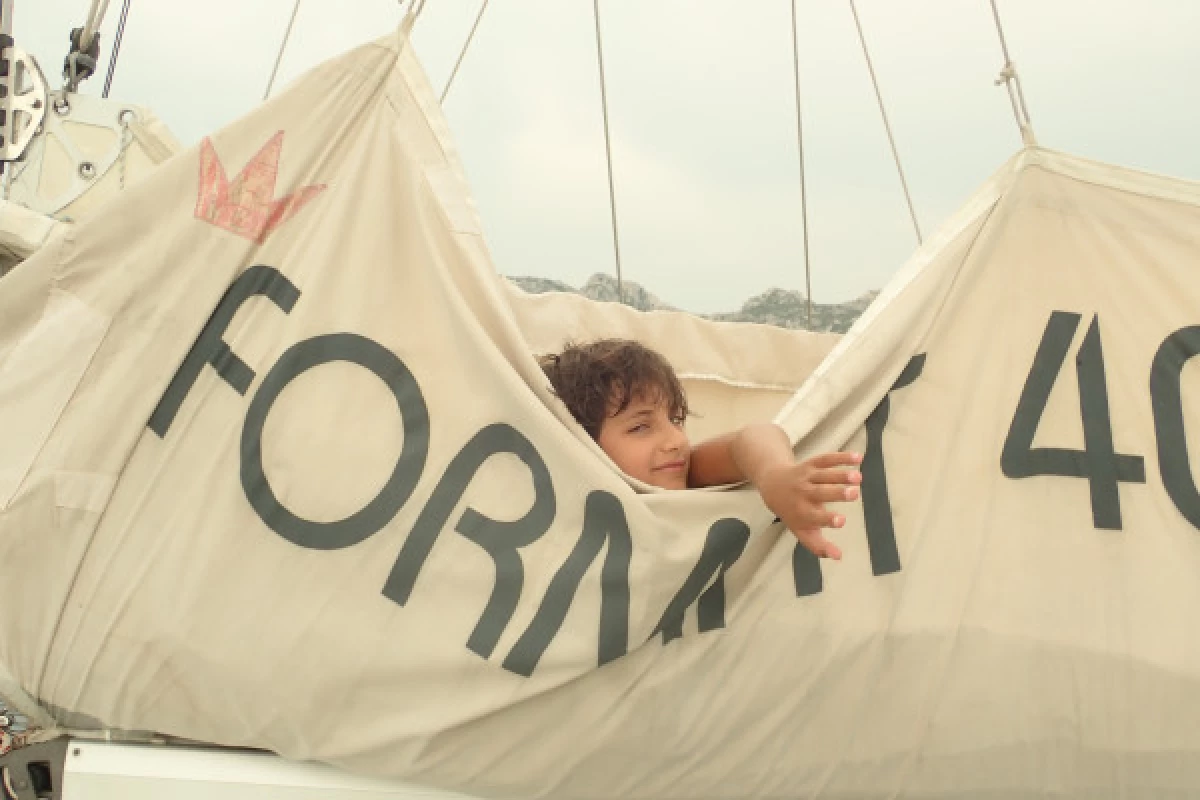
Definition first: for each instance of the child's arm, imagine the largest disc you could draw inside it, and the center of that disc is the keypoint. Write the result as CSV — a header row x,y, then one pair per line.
x,y
796,492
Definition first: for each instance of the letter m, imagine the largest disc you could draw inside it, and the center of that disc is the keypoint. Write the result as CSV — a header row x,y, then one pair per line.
x,y
725,543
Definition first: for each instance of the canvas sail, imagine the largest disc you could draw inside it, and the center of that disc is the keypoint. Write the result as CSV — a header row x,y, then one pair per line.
x,y
280,471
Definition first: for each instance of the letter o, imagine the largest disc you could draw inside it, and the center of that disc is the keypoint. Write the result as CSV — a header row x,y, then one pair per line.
x,y
371,518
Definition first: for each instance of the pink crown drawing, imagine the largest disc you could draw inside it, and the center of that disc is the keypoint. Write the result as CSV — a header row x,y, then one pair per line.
x,y
246,205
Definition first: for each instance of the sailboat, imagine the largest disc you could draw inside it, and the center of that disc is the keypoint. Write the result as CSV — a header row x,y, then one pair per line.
x,y
282,473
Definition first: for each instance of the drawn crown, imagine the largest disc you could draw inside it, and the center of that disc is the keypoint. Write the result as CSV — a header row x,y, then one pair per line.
x,y
245,205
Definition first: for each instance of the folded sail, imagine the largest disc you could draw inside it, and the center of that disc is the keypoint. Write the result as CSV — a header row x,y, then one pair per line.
x,y
280,471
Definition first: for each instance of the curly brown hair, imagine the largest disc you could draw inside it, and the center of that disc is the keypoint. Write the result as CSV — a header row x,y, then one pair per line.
x,y
599,379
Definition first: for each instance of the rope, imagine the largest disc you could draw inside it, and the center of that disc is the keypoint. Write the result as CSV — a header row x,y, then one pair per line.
x,y
1012,82
612,195
287,34
6,14
95,18
886,125
126,141
415,7
463,54
116,48
800,150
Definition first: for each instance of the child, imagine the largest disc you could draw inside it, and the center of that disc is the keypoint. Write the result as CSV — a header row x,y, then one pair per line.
x,y
631,402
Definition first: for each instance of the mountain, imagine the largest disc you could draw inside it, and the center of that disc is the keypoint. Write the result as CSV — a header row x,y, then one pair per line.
x,y
601,287
781,307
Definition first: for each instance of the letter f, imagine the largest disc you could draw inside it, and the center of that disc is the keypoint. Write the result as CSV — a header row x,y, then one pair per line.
x,y
210,348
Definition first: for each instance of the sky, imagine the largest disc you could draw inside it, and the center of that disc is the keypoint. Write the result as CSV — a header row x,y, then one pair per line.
x,y
702,115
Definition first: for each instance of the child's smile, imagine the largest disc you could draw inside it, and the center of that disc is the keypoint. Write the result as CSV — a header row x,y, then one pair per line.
x,y
646,443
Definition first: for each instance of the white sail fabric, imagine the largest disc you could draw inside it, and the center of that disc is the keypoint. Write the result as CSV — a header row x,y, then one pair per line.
x,y
280,471
22,232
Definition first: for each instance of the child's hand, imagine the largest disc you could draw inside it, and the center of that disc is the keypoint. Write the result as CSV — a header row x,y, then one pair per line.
x,y
797,493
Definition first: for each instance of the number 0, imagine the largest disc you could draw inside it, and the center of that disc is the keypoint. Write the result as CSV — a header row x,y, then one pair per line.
x,y
1166,398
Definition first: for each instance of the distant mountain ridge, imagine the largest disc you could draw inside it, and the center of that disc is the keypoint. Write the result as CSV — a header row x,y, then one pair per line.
x,y
783,308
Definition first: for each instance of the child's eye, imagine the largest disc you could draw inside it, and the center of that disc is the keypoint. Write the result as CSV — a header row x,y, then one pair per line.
x,y
641,426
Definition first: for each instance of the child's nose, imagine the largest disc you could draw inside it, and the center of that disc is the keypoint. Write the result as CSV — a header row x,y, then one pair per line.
x,y
678,440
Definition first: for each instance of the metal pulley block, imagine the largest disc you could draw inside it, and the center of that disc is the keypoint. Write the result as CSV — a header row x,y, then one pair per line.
x,y
80,64
23,99
82,138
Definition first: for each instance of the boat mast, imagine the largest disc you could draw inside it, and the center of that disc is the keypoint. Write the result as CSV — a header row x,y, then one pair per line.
x,y
6,40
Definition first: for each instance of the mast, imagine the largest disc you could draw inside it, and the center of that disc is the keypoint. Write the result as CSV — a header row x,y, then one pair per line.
x,y
7,78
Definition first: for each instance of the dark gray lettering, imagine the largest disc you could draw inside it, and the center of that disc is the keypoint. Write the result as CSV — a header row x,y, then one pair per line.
x,y
723,546
1166,399
300,358
1103,467
877,503
500,539
210,348
603,521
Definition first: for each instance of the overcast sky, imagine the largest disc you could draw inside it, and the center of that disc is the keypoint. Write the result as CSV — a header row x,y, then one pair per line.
x,y
702,112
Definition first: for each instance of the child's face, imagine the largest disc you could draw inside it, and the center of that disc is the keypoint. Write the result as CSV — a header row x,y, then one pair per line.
x,y
647,444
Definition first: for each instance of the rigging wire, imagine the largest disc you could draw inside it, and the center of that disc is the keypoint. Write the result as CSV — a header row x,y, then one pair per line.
x,y
1012,82
886,125
409,20
415,7
612,198
287,34
116,48
800,150
463,54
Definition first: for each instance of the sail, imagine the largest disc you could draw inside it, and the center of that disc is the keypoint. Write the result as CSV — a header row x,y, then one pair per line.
x,y
280,471
22,232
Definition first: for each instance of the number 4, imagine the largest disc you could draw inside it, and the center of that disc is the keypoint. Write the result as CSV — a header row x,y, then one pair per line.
x,y
1103,467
